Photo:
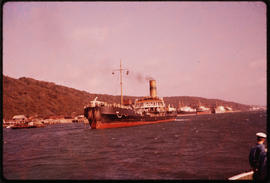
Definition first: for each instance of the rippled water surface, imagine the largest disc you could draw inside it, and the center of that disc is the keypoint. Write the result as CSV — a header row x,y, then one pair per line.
x,y
196,147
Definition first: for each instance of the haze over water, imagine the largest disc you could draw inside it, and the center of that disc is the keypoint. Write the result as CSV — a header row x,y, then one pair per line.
x,y
212,146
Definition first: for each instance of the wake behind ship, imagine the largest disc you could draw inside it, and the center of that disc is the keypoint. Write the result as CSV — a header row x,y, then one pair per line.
x,y
147,110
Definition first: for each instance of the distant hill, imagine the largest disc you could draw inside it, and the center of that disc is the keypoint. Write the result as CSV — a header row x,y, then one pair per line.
x,y
32,97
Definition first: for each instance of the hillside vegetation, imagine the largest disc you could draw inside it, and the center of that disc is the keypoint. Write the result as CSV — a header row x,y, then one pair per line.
x,y
39,98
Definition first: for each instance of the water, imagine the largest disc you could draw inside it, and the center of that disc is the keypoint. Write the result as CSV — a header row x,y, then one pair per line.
x,y
193,147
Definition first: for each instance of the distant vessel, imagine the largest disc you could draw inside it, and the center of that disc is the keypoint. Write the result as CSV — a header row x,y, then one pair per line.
x,y
146,110
19,126
222,109
186,110
203,110
25,125
200,109
20,121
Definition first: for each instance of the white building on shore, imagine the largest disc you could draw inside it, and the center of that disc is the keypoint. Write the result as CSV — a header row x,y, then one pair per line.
x,y
19,118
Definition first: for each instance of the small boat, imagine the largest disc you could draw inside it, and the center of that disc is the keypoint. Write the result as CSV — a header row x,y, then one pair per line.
x,y
203,110
26,125
23,126
186,110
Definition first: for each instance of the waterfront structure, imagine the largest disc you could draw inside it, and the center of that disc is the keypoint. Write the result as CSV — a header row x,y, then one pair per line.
x,y
19,118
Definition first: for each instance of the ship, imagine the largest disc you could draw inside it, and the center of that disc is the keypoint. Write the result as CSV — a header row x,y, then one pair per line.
x,y
26,125
222,109
185,110
146,110
200,109
203,110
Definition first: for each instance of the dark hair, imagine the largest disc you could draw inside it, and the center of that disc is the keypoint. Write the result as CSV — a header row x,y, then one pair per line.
x,y
260,138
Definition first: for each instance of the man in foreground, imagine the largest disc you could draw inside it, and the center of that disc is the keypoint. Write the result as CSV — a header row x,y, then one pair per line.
x,y
258,158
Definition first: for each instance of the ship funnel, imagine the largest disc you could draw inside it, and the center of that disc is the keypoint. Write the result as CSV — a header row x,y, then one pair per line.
x,y
153,88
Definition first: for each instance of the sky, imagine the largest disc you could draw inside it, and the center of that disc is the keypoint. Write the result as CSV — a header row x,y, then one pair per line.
x,y
215,50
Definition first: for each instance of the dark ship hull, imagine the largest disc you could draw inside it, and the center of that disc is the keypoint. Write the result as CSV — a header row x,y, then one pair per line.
x,y
113,117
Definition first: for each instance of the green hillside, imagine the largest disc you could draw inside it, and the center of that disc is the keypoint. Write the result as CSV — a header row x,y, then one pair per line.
x,y
32,97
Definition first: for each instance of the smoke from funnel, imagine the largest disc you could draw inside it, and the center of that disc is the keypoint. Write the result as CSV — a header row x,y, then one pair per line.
x,y
141,77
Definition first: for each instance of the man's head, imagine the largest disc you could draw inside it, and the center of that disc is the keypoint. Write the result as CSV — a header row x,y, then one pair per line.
x,y
261,137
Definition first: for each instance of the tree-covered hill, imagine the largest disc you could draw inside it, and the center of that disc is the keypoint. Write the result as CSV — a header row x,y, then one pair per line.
x,y
39,98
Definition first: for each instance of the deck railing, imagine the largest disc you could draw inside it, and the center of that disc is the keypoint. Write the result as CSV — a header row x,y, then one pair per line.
x,y
242,176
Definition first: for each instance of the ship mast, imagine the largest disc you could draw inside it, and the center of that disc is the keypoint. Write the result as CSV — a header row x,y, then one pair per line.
x,y
121,83
121,76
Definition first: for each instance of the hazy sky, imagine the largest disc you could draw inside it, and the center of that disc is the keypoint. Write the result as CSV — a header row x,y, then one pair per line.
x,y
205,49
